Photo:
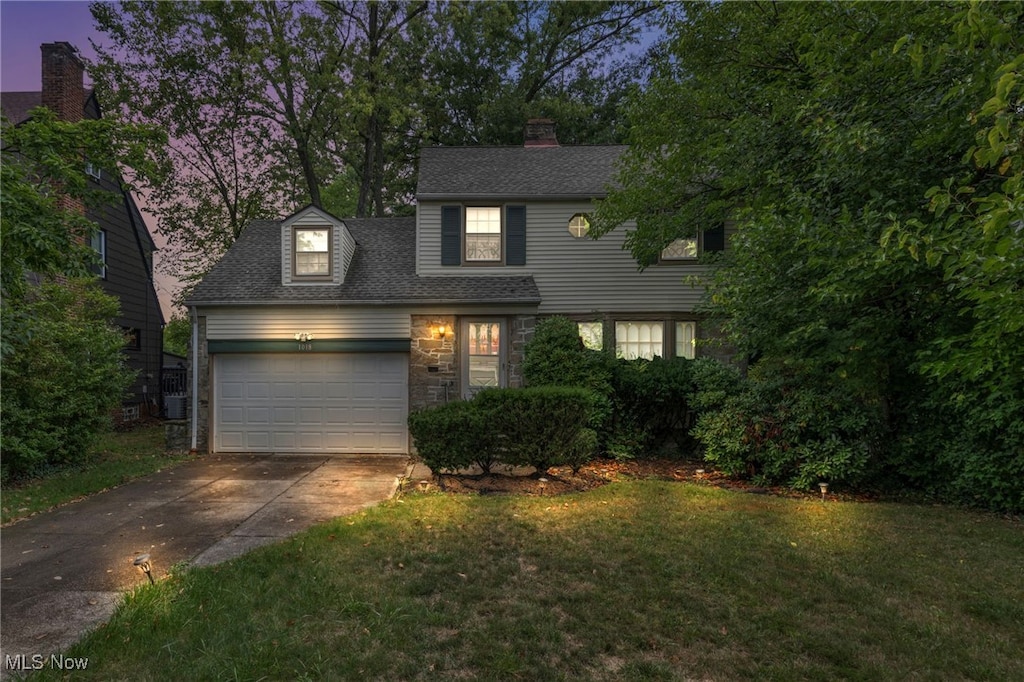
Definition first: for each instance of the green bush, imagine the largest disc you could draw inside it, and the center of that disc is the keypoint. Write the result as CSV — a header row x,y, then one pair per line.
x,y
778,428
63,373
453,436
651,405
540,426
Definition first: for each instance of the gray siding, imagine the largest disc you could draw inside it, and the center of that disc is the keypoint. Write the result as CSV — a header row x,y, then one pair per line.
x,y
283,323
573,275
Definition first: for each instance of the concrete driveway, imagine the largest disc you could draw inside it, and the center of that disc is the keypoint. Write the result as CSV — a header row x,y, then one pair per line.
x,y
62,572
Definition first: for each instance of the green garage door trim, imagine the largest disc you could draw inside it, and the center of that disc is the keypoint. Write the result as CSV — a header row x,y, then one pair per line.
x,y
314,346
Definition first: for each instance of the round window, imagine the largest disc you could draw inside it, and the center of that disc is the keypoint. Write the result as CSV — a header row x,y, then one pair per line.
x,y
579,225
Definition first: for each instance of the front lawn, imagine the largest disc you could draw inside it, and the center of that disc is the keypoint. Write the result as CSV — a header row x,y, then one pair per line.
x,y
634,580
115,458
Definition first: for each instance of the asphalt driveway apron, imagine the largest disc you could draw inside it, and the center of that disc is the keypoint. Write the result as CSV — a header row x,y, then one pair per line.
x,y
63,571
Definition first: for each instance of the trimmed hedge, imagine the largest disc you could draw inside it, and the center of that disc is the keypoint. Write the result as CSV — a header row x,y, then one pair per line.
x,y
540,427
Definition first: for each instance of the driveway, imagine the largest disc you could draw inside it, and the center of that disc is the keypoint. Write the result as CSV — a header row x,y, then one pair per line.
x,y
63,571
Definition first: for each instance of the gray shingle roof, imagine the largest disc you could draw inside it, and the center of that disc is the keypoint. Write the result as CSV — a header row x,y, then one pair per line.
x,y
382,272
517,172
16,105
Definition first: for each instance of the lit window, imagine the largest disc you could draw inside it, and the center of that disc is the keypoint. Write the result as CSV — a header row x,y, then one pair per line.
x,y
680,249
638,340
92,170
313,252
592,334
98,242
579,226
483,234
686,339
483,351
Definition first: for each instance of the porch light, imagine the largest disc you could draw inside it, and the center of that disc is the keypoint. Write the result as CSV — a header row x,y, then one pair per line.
x,y
143,564
442,331
303,337
824,489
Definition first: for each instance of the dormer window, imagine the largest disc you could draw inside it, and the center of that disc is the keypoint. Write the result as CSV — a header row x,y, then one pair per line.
x,y
313,253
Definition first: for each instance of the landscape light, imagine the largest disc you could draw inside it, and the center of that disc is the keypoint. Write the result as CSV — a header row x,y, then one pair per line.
x,y
142,563
824,489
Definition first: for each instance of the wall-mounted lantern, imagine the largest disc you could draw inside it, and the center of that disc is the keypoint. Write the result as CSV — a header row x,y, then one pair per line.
x,y
304,339
442,331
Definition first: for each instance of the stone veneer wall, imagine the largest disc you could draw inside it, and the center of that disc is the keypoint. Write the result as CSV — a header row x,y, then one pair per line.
x,y
428,388
521,330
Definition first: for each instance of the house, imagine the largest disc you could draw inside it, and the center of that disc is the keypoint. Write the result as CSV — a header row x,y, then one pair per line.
x,y
317,334
123,242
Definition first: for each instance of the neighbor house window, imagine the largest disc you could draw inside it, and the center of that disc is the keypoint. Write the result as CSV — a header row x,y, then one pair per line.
x,y
483,234
132,338
313,252
98,242
680,249
638,340
92,170
686,339
592,334
579,225
483,356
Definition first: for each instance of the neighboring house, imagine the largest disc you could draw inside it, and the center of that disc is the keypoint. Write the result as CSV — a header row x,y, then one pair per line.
x,y
317,334
123,242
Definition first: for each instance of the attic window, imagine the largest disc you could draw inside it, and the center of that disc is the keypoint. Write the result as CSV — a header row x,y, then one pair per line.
x,y
313,253
579,226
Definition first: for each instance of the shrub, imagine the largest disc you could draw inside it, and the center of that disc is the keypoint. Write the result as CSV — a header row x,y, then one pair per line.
x,y
453,436
781,428
63,373
540,426
651,404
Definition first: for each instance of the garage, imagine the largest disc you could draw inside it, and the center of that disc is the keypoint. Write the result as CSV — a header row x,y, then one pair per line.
x,y
311,402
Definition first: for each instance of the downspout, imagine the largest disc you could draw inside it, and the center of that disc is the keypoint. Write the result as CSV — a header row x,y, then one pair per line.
x,y
195,378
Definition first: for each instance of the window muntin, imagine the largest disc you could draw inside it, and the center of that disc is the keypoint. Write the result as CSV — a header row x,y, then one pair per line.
x,y
681,249
98,242
579,226
313,252
483,234
639,340
592,334
686,339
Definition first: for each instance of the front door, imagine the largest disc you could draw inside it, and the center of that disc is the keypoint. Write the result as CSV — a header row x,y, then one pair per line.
x,y
483,354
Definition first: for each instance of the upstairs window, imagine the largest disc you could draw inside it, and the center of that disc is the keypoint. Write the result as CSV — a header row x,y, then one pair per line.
x,y
483,234
579,225
680,249
313,253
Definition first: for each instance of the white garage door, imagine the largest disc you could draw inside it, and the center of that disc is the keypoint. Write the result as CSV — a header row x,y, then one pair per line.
x,y
324,403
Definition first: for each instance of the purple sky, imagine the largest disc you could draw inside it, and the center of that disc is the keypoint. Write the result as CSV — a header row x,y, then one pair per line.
x,y
24,26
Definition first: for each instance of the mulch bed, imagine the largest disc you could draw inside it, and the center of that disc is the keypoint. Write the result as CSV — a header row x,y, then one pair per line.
x,y
561,480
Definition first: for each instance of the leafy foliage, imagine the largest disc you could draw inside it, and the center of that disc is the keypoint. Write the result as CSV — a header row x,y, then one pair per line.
x,y
177,335
62,376
453,436
868,155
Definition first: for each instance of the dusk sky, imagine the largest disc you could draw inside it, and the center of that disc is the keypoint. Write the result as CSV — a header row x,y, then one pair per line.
x,y
24,26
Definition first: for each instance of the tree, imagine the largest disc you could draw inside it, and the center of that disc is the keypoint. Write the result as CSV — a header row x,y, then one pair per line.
x,y
177,335
816,128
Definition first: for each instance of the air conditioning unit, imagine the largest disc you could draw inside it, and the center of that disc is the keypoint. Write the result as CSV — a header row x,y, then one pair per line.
x,y
174,405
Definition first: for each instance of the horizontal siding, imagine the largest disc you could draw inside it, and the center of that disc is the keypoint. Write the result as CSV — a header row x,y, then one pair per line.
x,y
573,275
323,322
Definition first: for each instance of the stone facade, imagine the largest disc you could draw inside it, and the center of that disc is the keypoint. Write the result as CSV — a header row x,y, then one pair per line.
x,y
520,332
203,374
433,361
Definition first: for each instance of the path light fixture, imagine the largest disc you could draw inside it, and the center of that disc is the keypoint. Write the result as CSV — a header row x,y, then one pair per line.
x,y
824,489
143,564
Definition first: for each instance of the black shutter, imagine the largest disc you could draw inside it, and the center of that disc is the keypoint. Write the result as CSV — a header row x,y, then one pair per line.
x,y
451,235
714,239
515,235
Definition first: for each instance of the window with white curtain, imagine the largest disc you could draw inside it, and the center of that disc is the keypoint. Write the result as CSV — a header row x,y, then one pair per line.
x,y
592,334
639,340
686,339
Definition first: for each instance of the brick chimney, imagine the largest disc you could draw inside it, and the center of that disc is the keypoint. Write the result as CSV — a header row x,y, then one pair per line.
x,y
63,81
540,132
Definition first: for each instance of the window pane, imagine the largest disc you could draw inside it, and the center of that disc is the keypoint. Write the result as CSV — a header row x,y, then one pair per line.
x,y
686,333
313,252
592,333
483,234
579,225
638,340
680,249
483,370
311,240
484,338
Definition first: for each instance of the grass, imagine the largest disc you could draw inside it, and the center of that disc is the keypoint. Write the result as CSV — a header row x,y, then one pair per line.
x,y
636,580
117,457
